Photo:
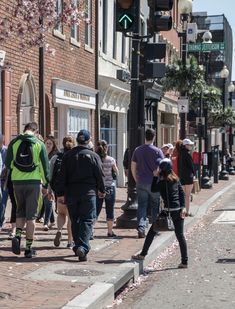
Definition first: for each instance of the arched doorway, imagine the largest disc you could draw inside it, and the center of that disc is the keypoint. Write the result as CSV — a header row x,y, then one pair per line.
x,y
27,101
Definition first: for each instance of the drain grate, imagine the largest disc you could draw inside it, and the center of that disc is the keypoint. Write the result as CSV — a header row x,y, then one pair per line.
x,y
4,295
79,272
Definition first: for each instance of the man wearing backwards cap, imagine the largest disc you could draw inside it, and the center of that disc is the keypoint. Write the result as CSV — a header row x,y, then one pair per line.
x,y
80,178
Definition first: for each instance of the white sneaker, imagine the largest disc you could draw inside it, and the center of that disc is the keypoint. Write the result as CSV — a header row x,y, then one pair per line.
x,y
46,228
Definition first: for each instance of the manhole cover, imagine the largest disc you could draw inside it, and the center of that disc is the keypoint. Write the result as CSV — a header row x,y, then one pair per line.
x,y
79,272
4,295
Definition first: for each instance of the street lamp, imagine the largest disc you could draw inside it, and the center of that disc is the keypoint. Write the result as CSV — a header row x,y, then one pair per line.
x,y
224,174
231,89
185,9
206,183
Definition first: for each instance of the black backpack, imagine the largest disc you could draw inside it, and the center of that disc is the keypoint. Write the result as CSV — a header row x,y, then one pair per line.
x,y
56,170
24,157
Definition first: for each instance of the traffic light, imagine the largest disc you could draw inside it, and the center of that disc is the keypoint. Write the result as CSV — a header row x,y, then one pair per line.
x,y
149,67
157,21
126,15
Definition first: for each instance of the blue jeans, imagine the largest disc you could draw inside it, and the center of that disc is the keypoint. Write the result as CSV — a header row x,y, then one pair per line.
x,y
146,199
49,214
3,204
109,199
82,213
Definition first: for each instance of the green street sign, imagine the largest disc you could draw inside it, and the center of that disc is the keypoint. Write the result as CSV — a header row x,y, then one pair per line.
x,y
125,21
206,47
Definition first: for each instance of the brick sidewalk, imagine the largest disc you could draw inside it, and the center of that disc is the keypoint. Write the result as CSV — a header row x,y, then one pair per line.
x,y
20,289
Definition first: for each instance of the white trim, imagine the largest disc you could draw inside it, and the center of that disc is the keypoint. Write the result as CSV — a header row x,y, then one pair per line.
x,y
89,49
59,34
75,42
71,94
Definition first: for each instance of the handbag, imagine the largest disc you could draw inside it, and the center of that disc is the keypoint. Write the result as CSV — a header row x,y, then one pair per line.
x,y
170,224
164,220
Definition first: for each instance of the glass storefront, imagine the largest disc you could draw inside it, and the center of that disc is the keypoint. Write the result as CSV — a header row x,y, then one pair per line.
x,y
108,131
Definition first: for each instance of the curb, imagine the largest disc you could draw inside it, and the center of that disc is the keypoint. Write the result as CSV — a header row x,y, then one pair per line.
x,y
100,294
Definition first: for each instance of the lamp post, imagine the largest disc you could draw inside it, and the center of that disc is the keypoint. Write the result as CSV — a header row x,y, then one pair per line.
x,y
185,9
224,174
231,89
206,183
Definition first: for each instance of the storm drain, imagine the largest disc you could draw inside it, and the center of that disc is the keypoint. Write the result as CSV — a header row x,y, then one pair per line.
x,y
226,261
4,296
79,272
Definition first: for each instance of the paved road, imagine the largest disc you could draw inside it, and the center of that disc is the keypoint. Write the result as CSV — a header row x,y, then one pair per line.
x,y
208,283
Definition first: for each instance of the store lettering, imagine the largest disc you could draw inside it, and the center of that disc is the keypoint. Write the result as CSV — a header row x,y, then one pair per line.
x,y
75,95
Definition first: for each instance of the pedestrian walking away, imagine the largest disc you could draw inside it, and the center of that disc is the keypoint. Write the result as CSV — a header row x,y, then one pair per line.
x,y
61,209
80,180
186,171
3,176
48,199
167,183
27,159
145,160
111,172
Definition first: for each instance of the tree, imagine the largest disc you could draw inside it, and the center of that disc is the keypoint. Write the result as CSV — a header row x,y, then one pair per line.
x,y
30,20
180,77
189,78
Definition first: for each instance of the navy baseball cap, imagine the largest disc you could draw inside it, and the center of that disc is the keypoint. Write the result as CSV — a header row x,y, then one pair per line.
x,y
83,137
165,165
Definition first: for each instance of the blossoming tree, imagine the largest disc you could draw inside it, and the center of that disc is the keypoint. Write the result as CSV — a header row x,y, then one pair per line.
x,y
30,20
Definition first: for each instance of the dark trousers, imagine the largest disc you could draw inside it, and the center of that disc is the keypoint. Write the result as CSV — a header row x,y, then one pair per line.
x,y
82,213
109,203
179,233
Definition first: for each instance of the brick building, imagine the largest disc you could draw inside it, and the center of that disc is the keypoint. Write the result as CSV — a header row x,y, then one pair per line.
x,y
69,80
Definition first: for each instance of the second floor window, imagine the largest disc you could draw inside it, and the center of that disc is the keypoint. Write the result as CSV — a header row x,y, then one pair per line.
x,y
75,27
88,23
59,12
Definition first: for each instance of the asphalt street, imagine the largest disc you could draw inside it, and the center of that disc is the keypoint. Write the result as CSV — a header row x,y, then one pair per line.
x,y
208,283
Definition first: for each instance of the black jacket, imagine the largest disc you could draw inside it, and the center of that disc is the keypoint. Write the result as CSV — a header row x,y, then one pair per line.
x,y
185,167
172,194
81,173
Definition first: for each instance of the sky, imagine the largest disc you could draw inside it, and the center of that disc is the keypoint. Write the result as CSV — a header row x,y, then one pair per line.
x,y
218,7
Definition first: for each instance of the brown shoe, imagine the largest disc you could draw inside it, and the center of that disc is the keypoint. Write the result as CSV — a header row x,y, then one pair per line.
x,y
141,234
138,257
181,265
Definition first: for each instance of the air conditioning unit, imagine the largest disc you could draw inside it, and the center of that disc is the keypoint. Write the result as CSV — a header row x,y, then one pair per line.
x,y
192,32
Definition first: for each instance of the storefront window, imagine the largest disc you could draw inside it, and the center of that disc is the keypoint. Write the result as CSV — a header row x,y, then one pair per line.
x,y
78,120
108,131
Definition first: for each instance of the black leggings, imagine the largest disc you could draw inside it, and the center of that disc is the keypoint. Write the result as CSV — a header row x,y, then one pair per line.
x,y
179,233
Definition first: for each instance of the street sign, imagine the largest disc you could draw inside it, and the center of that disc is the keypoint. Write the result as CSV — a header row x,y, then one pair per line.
x,y
206,47
183,105
126,21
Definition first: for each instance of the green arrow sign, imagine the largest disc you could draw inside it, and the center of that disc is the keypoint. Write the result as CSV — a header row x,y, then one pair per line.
x,y
205,47
126,21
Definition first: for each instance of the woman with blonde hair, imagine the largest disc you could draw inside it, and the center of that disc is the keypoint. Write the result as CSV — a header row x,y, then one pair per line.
x,y
62,211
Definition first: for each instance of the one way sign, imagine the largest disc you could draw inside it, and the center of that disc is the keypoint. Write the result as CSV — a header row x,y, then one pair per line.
x,y
183,105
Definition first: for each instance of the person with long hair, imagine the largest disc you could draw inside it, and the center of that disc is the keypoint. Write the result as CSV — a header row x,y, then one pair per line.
x,y
48,200
186,171
173,196
110,171
61,208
